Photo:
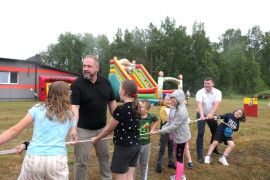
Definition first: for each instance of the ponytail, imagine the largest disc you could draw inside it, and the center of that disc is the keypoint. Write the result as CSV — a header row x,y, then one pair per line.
x,y
131,89
136,107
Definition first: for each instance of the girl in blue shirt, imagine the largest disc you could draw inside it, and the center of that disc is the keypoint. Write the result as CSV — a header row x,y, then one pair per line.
x,y
46,156
223,133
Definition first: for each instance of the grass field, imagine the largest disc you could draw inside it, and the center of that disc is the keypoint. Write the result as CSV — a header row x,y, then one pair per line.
x,y
250,159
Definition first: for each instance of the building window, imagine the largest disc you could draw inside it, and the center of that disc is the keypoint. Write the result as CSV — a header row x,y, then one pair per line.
x,y
8,77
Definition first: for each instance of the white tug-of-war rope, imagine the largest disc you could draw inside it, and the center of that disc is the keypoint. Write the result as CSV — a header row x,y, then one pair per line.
x,y
70,142
89,140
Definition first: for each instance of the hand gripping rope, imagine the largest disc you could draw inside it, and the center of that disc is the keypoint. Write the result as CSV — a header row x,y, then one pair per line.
x,y
70,142
206,119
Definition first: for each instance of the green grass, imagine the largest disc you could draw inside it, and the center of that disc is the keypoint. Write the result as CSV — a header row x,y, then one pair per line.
x,y
250,159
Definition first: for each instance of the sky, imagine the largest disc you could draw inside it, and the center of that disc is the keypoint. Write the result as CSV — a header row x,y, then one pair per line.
x,y
28,27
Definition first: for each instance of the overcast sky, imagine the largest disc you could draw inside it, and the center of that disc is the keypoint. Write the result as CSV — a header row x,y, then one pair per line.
x,y
29,26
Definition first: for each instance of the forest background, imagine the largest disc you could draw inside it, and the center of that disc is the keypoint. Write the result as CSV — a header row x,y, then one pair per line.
x,y
240,64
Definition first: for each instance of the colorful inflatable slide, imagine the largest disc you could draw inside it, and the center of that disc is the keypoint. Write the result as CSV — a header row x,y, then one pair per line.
x,y
148,88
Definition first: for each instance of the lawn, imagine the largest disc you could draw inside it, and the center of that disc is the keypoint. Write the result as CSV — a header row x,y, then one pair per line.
x,y
250,159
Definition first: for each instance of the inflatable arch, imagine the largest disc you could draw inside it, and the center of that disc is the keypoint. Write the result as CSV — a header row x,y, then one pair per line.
x,y
161,81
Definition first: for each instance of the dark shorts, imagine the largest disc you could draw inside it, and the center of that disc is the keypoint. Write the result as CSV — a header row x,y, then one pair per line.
x,y
124,157
221,138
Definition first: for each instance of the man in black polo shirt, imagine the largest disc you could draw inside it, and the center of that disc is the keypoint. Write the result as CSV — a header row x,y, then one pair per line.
x,y
90,96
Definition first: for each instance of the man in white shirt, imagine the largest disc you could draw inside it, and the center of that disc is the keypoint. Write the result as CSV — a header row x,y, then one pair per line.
x,y
208,100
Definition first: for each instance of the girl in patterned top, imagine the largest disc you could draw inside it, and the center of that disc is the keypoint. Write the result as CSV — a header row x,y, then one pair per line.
x,y
125,123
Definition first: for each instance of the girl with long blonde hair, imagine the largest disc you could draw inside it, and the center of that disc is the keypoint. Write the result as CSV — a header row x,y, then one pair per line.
x,y
46,156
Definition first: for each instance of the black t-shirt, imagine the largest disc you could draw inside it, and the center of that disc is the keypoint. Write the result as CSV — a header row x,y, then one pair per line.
x,y
127,132
93,100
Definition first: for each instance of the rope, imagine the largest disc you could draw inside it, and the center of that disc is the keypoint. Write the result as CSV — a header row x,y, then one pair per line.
x,y
70,142
7,152
225,123
206,119
194,121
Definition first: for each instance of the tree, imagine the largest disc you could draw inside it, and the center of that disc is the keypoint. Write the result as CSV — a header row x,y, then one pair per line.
x,y
254,41
265,61
201,57
103,52
90,44
231,38
66,54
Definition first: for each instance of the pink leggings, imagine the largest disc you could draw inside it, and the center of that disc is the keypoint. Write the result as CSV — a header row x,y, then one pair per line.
x,y
179,154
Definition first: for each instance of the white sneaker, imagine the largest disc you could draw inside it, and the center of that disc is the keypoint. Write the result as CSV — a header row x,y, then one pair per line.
x,y
183,177
207,159
223,161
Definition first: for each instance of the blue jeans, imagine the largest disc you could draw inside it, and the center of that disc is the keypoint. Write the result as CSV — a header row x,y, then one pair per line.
x,y
212,124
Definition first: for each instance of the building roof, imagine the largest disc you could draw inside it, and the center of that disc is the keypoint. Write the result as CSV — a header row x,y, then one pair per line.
x,y
36,58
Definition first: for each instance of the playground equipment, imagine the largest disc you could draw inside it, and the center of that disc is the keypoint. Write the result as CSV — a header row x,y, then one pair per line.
x,y
147,87
251,107
46,81
161,80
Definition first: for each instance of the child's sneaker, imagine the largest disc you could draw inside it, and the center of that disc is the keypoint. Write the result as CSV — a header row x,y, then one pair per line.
x,y
172,165
183,177
172,177
190,165
158,169
207,159
223,161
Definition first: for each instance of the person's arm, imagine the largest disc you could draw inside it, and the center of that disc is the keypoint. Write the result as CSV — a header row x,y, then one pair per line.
x,y
153,127
14,131
178,120
200,110
112,106
73,134
216,105
108,130
19,149
75,110
163,115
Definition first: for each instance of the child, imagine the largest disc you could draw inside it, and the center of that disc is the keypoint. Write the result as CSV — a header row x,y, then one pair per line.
x,y
232,120
178,126
52,121
187,97
148,125
187,152
125,123
165,138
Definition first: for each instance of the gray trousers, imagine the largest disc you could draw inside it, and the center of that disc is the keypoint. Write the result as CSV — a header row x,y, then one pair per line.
x,y
163,143
143,160
82,154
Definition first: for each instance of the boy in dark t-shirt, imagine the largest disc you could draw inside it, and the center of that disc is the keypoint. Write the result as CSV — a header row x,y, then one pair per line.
x,y
147,126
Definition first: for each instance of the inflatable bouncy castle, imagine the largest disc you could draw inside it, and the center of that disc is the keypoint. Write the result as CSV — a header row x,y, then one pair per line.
x,y
121,70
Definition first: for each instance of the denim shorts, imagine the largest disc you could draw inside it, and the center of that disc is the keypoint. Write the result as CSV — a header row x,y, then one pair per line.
x,y
124,157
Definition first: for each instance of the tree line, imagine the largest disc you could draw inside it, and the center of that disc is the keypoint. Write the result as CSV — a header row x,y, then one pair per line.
x,y
240,64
